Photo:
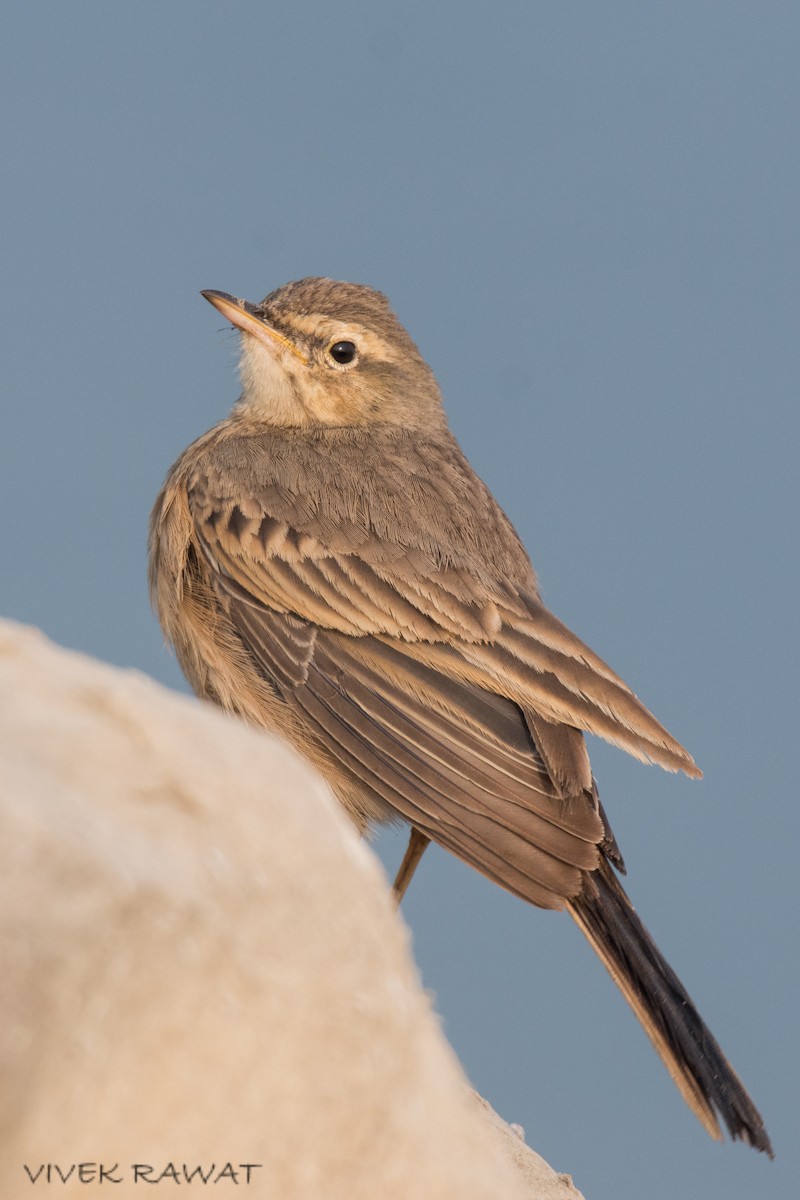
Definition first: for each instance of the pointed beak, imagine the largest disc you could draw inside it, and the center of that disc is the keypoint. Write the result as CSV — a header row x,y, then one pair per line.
x,y
246,317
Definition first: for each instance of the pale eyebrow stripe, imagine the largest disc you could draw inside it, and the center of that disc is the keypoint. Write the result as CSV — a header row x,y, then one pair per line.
x,y
326,328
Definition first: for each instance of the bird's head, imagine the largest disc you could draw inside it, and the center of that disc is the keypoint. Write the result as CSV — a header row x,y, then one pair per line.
x,y
322,353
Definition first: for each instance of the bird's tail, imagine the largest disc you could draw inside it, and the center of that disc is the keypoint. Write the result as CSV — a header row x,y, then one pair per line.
x,y
700,1070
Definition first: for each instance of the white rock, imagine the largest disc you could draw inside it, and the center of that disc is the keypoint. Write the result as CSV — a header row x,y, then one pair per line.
x,y
202,965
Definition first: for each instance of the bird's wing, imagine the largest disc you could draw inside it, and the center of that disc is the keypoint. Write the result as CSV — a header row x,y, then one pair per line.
x,y
454,760
539,663
446,617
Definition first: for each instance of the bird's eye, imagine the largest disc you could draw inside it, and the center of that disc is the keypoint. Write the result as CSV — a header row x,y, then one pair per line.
x,y
343,352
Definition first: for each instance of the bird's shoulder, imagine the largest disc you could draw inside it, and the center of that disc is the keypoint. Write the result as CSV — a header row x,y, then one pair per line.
x,y
384,494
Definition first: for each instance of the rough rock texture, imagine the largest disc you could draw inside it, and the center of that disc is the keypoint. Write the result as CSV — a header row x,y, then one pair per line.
x,y
202,965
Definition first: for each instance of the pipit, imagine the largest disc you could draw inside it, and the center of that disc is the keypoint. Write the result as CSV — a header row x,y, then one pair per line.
x,y
328,565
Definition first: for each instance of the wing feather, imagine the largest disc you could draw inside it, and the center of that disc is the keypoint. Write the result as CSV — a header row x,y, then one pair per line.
x,y
451,618
454,777
504,864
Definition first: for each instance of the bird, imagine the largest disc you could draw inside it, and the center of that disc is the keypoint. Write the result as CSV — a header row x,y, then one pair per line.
x,y
328,566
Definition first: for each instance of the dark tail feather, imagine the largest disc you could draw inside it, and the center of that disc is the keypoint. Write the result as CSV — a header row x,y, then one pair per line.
x,y
700,1070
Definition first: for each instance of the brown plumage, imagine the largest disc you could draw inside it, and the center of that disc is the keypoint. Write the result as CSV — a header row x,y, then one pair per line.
x,y
328,565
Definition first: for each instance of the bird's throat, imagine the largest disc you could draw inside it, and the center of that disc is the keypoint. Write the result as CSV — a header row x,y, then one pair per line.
x,y
270,393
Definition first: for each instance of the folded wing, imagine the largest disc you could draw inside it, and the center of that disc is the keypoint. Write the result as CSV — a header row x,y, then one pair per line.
x,y
448,617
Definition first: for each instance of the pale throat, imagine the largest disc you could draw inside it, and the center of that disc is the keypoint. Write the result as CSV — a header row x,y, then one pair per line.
x,y
268,387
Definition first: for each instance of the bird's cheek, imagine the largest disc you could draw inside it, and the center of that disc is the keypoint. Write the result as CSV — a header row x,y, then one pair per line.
x,y
331,404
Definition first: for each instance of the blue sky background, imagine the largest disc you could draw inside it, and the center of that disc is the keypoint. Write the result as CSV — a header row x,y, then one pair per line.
x,y
587,215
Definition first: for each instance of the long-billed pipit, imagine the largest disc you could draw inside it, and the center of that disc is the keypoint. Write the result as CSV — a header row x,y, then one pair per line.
x,y
328,565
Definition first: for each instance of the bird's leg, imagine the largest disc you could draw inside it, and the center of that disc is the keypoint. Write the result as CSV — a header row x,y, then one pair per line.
x,y
416,848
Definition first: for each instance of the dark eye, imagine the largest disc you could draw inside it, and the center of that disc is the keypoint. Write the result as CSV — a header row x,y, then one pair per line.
x,y
342,352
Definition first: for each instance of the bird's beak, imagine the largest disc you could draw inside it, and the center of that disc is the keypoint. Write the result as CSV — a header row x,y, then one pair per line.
x,y
245,316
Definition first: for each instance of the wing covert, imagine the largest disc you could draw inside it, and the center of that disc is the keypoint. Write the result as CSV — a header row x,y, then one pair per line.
x,y
451,617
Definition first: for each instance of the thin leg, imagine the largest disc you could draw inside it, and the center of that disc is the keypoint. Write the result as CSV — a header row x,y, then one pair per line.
x,y
416,848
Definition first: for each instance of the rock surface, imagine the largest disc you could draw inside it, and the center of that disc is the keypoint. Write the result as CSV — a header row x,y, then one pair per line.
x,y
203,967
